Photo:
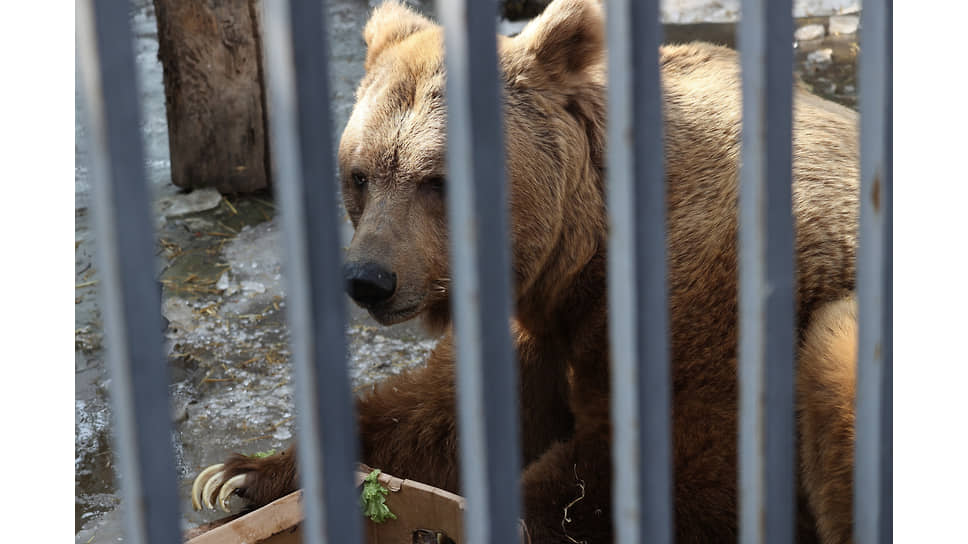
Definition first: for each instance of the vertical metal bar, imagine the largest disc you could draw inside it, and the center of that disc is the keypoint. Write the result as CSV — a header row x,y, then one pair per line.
x,y
886,474
886,521
126,258
638,321
766,345
478,215
296,54
873,458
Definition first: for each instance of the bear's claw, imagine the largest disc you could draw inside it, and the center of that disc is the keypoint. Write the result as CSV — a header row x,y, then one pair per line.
x,y
229,487
200,481
211,481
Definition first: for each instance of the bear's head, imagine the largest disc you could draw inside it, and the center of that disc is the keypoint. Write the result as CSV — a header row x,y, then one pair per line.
x,y
392,160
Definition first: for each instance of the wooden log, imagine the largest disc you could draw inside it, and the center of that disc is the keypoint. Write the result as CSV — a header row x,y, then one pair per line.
x,y
214,93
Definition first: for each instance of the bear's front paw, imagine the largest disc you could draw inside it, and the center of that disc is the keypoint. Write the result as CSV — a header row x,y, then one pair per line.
x,y
257,480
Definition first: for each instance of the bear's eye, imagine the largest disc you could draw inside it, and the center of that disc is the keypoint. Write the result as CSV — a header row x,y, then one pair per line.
x,y
359,180
434,184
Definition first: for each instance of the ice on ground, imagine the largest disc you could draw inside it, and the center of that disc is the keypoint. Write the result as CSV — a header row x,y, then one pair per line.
x,y
180,204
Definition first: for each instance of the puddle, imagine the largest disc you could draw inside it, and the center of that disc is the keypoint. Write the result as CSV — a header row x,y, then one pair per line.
x,y
219,261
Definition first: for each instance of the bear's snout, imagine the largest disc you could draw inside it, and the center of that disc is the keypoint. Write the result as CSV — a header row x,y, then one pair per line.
x,y
369,284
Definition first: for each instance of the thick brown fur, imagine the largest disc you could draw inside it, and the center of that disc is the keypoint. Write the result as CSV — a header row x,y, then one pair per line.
x,y
825,410
392,158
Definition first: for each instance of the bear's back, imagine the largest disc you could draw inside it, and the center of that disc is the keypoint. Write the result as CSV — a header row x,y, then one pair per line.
x,y
703,111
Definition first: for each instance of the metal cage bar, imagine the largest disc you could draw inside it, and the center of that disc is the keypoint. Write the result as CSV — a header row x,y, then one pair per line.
x,y
873,449
477,209
766,276
131,296
640,382
296,64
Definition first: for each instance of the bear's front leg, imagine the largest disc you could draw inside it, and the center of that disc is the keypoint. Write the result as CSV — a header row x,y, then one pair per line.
x,y
408,425
407,428
567,491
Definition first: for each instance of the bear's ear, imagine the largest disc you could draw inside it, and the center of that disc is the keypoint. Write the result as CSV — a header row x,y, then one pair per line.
x,y
567,37
390,23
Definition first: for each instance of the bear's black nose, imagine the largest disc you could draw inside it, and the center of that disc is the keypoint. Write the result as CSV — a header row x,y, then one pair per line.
x,y
369,284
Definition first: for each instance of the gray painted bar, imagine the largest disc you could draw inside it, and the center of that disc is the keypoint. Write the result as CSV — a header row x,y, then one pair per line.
x,y
641,400
478,216
131,296
296,55
766,312
873,477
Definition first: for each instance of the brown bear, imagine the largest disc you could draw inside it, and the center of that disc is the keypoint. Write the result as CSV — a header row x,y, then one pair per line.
x,y
392,160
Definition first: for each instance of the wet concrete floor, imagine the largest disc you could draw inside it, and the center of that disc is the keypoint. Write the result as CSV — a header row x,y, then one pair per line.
x,y
218,261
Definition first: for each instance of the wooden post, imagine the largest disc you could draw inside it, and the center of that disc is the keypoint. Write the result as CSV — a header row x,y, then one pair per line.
x,y
214,93
522,9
